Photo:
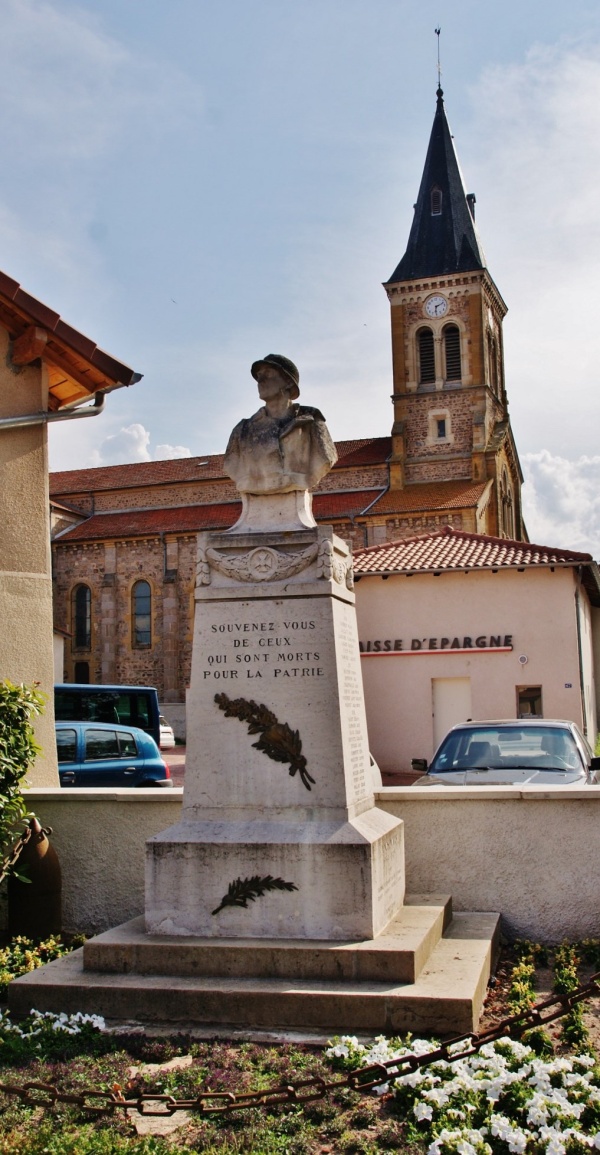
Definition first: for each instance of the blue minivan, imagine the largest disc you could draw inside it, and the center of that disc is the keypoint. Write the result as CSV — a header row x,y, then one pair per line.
x,y
99,754
128,705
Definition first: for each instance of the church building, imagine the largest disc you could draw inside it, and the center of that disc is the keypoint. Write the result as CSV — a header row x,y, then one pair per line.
x,y
124,541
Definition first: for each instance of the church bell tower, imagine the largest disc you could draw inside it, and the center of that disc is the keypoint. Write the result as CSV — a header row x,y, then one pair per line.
x,y
451,422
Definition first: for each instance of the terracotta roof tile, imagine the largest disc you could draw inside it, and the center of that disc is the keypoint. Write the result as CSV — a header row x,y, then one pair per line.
x,y
19,309
433,495
191,518
139,473
452,549
149,522
351,503
368,451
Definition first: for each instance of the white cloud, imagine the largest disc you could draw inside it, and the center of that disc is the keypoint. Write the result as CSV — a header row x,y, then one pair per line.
x,y
168,452
533,157
132,444
561,501
128,445
86,114
77,88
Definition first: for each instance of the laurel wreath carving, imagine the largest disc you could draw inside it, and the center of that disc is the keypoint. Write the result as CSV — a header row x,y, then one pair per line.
x,y
261,564
277,740
244,890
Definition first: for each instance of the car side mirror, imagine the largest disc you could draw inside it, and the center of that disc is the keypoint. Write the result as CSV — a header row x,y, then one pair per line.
x,y
420,765
595,764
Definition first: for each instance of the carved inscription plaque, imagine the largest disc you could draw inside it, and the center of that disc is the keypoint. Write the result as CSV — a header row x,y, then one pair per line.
x,y
352,704
282,648
390,876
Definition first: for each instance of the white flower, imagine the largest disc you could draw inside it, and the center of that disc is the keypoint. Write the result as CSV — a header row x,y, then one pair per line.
x,y
437,1095
502,1127
463,1147
422,1111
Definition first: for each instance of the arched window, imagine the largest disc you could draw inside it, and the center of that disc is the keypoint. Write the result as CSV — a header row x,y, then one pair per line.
x,y
452,353
436,202
141,608
426,357
82,617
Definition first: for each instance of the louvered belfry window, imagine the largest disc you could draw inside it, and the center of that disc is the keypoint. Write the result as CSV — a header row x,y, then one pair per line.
x,y
426,357
452,353
436,202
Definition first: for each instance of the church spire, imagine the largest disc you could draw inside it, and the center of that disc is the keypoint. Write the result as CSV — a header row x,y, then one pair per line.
x,y
443,238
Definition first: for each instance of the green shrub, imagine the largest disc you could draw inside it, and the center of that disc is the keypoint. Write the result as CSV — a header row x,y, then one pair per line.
x,y
22,955
18,750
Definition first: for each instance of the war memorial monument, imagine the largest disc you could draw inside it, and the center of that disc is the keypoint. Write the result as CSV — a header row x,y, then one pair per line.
x,y
278,899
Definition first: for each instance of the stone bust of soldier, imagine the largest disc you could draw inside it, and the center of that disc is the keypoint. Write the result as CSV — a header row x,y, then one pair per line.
x,y
284,447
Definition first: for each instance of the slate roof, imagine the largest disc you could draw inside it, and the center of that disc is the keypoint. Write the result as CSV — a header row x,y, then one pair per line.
x,y
364,451
431,495
447,243
452,550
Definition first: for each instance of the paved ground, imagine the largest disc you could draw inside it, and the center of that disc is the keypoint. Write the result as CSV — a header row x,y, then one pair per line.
x,y
175,760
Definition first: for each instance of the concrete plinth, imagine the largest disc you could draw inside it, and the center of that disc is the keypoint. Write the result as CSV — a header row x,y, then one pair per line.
x,y
348,878
397,956
445,998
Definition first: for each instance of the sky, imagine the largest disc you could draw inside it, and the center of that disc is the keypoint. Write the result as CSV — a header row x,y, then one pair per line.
x,y
196,184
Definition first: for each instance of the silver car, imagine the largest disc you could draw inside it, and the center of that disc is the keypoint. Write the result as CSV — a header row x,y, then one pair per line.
x,y
511,753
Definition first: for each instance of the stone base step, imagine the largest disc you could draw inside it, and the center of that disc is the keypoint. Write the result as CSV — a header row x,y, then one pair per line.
x,y
446,998
397,956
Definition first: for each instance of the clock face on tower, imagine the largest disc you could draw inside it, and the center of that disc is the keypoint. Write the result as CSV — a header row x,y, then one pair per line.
x,y
436,306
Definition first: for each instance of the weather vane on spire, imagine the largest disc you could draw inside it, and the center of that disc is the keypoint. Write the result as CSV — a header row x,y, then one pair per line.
x,y
437,32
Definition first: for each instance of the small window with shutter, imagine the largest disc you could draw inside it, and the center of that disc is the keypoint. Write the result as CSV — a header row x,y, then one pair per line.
x,y
436,202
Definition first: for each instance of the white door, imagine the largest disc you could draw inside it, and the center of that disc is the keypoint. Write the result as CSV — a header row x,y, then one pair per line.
x,y
451,704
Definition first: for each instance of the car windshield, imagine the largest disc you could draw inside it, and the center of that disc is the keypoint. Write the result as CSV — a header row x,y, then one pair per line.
x,y
508,747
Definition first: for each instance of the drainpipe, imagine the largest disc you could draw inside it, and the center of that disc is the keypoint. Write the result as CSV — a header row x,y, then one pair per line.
x,y
579,651
62,415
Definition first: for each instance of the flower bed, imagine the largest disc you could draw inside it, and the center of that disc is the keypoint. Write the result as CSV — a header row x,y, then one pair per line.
x,y
503,1099
512,1096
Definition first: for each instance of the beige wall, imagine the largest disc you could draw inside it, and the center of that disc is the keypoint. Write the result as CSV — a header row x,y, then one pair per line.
x,y
59,657
595,622
26,645
588,664
99,836
536,607
529,854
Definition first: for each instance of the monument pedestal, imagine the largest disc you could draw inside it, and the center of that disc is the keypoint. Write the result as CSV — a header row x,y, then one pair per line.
x,y
277,903
279,835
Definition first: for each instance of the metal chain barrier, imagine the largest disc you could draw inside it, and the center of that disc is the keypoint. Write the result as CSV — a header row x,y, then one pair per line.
x,y
301,1091
12,858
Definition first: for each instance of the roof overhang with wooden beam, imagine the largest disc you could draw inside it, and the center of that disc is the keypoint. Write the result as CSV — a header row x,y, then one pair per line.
x,y
77,368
